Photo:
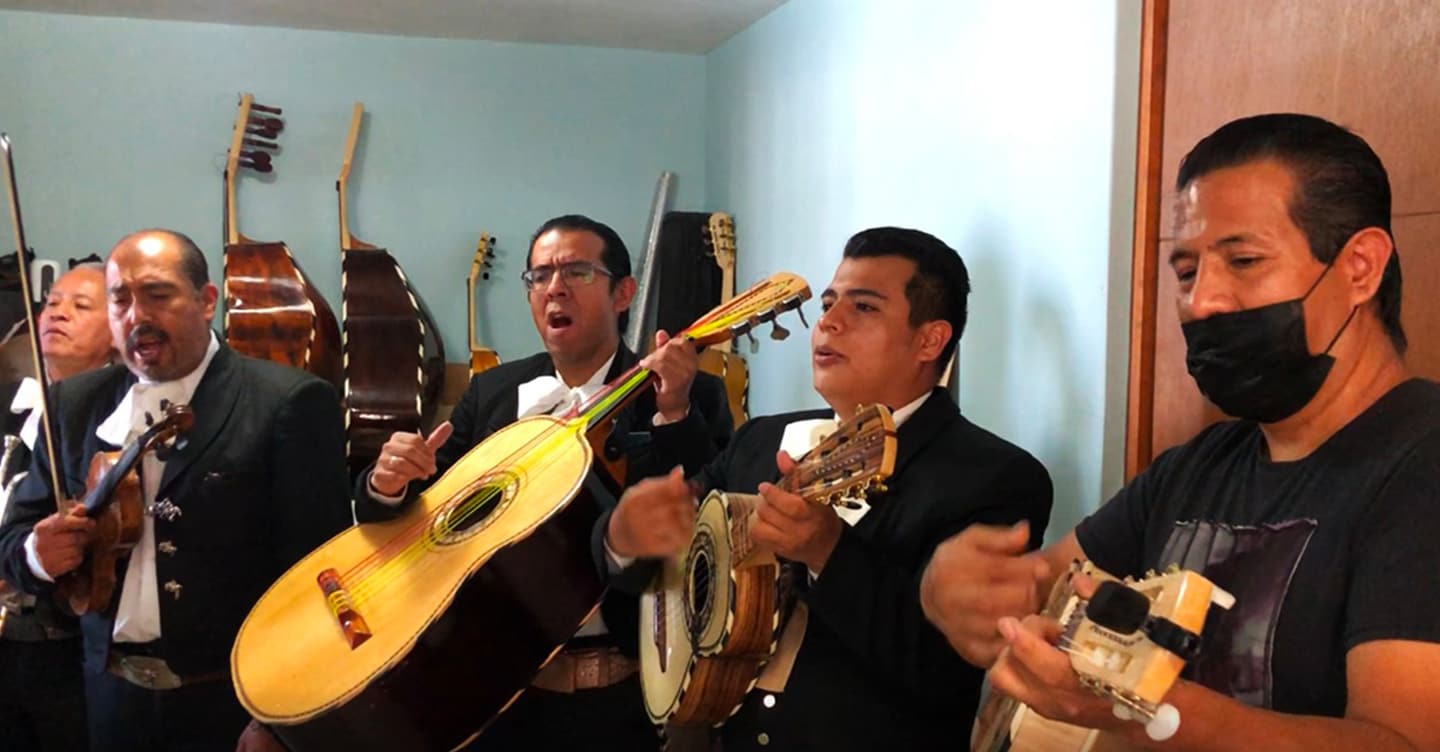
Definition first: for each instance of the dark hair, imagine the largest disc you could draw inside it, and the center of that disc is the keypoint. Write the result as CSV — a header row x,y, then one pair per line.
x,y
614,256
192,259
1341,187
940,285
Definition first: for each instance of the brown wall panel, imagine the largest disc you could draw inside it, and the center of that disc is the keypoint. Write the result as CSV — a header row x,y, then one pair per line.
x,y
1372,65
1418,240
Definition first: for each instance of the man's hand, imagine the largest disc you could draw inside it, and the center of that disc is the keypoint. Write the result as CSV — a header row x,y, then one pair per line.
x,y
973,580
793,527
406,457
674,362
60,540
1032,670
654,519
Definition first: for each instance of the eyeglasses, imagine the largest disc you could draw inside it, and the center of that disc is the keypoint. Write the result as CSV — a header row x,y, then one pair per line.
x,y
572,274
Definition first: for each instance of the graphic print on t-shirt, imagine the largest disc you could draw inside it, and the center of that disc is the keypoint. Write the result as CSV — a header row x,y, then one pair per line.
x,y
1255,564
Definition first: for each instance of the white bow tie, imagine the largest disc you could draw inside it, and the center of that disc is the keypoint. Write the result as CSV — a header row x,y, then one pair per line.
x,y
27,397
143,406
547,395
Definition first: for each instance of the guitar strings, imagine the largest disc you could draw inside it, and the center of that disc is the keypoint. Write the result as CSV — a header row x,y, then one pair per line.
x,y
377,572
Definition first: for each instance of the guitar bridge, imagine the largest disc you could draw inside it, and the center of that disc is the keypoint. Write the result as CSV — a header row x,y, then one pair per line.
x,y
352,624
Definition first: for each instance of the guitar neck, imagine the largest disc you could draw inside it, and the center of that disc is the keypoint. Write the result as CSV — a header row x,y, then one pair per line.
x,y
727,291
744,512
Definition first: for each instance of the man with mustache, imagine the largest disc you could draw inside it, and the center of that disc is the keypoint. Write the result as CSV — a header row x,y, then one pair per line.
x,y
869,673
1316,509
42,695
580,289
256,483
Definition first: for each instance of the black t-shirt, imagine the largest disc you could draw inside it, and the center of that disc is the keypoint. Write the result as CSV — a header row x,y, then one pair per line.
x,y
1322,554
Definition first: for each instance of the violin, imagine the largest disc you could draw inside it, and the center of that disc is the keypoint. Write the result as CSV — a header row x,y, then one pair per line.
x,y
115,500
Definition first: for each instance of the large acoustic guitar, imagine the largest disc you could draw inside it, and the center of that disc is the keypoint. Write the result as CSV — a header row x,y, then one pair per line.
x,y
711,618
719,360
1128,643
415,633
272,312
481,358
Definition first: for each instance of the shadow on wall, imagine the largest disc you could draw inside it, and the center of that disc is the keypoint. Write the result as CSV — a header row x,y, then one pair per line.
x,y
1019,370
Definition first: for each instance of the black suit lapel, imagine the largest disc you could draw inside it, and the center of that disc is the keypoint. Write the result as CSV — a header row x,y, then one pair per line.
x,y
933,416
624,360
215,398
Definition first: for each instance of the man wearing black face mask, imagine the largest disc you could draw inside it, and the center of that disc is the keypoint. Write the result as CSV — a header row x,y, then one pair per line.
x,y
1318,509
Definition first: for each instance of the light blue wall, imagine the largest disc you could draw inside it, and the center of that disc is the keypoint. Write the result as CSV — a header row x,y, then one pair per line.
x,y
1007,129
121,124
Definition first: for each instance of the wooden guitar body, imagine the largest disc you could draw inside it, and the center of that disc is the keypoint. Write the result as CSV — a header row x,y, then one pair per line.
x,y
394,357
451,642
711,618
709,624
730,368
272,312
417,632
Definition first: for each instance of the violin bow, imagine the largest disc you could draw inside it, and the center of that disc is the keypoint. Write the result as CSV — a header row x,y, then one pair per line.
x,y
46,413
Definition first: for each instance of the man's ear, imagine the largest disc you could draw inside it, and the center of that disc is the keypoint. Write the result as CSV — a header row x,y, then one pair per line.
x,y
933,336
624,294
1363,261
209,294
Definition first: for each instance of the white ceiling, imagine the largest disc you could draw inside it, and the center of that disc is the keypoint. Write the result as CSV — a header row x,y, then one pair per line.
x,y
689,26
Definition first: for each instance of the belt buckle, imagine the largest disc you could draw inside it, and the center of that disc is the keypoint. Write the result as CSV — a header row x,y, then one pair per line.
x,y
146,671
587,668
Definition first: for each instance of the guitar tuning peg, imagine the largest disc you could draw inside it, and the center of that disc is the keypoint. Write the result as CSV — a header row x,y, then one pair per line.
x,y
777,332
801,312
754,346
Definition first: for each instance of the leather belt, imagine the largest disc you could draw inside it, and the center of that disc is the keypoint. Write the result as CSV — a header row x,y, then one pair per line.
x,y
149,672
585,668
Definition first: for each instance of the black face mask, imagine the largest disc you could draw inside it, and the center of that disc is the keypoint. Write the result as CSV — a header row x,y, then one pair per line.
x,y
1256,364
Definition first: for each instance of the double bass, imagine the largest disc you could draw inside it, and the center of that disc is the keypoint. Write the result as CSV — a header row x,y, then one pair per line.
x,y
394,358
272,312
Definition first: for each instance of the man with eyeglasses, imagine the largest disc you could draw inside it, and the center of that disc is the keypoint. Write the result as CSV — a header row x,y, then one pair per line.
x,y
580,289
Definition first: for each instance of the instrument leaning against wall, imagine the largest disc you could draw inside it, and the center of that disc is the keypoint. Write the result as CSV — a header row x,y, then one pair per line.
x,y
481,358
721,360
394,357
272,312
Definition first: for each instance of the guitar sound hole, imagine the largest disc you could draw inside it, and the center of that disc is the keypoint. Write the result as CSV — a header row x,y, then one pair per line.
x,y
473,511
699,596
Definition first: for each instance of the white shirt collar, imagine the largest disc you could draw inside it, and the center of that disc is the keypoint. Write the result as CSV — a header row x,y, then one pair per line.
x,y
597,379
145,396
803,435
546,395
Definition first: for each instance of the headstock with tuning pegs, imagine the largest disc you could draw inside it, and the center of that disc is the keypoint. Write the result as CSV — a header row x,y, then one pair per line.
x,y
481,358
253,147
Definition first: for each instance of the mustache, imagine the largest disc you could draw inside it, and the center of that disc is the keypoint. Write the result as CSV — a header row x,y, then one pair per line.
x,y
145,331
